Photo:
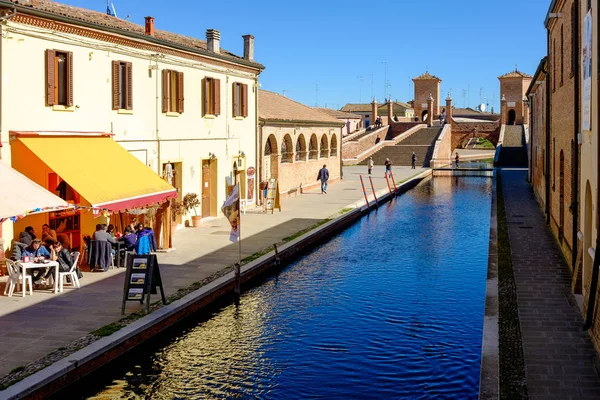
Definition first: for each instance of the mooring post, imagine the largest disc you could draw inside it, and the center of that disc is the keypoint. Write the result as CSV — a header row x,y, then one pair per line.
x,y
394,182
277,259
373,189
236,279
365,192
387,179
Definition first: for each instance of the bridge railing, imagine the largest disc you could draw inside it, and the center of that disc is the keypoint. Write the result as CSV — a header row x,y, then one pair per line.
x,y
442,152
499,145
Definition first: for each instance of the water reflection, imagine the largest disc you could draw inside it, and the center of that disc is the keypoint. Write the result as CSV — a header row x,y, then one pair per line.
x,y
391,308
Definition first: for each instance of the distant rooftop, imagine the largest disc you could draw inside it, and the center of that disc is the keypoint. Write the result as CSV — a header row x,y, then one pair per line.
x,y
275,107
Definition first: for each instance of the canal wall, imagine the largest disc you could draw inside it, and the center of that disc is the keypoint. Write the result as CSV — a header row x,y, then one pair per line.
x,y
77,365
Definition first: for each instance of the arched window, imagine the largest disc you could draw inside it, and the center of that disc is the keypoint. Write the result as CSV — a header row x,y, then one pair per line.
x,y
324,147
270,145
301,148
333,152
287,150
313,148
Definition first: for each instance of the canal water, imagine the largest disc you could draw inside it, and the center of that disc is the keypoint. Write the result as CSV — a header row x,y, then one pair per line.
x,y
391,308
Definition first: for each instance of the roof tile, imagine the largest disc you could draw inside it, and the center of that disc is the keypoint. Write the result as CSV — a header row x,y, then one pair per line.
x,y
275,107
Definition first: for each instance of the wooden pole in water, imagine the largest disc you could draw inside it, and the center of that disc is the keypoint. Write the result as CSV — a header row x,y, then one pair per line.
x,y
373,189
238,266
365,192
387,179
394,182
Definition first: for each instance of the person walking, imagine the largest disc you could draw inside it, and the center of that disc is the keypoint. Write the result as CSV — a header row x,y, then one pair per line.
x,y
370,164
388,167
323,176
413,161
456,159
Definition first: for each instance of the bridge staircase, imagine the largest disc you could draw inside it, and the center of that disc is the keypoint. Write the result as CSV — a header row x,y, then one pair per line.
x,y
421,142
514,151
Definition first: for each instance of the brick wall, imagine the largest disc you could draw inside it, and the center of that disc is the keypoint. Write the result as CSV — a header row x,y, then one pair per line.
x,y
398,128
537,128
462,132
351,149
423,88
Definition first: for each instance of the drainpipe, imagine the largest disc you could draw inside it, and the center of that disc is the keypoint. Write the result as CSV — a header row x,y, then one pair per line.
x,y
156,113
2,19
258,155
548,102
575,160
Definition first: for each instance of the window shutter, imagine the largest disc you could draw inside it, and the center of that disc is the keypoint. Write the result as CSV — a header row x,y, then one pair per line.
x,y
129,69
180,92
234,103
217,96
244,100
165,90
115,85
70,79
204,97
50,89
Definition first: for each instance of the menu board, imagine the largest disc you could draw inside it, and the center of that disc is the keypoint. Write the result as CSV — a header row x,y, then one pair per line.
x,y
142,279
272,200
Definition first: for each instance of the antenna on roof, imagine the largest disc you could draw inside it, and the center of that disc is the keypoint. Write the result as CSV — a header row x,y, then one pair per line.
x,y
110,9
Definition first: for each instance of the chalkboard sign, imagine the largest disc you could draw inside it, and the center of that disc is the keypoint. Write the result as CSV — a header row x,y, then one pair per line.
x,y
142,279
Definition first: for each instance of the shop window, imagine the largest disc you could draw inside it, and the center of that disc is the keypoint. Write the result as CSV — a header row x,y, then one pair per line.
x,y
211,95
59,78
240,100
172,85
122,85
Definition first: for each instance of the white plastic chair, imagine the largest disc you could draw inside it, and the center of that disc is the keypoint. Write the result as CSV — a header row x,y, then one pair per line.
x,y
15,279
71,273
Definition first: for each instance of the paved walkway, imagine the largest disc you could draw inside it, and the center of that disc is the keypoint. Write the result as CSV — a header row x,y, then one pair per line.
x,y
558,353
34,326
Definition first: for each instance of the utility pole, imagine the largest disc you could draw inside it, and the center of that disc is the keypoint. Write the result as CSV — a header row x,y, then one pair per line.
x,y
468,95
384,79
360,81
464,94
371,85
317,95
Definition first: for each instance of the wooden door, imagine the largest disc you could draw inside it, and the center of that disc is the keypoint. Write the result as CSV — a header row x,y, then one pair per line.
x,y
205,189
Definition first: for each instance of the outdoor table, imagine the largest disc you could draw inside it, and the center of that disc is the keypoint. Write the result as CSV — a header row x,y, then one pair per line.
x,y
32,265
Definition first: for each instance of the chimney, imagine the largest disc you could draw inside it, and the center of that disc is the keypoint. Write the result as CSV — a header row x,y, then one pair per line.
x,y
149,26
213,39
248,47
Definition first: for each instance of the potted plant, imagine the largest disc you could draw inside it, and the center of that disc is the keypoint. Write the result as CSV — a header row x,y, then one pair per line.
x,y
176,210
190,202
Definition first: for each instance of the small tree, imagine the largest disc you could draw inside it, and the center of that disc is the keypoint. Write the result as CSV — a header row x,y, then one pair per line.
x,y
190,202
176,209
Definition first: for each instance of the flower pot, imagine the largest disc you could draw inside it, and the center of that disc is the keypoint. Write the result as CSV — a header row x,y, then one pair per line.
x,y
196,219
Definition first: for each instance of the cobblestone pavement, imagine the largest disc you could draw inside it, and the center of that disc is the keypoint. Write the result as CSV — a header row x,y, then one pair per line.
x,y
559,355
34,326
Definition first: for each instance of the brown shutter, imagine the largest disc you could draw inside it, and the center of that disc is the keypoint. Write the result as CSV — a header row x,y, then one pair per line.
x,y
180,92
233,102
115,85
217,96
129,69
165,90
244,100
70,79
50,88
204,97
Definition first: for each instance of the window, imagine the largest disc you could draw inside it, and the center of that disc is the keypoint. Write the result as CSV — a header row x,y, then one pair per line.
x,y
172,85
122,93
562,56
240,100
59,78
211,93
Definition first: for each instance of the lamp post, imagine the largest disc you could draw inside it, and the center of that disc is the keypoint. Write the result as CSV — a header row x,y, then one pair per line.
x,y
384,79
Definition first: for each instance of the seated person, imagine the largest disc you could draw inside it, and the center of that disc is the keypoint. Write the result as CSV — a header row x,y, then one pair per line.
x,y
16,251
48,233
65,262
36,253
111,230
103,236
27,236
129,239
63,238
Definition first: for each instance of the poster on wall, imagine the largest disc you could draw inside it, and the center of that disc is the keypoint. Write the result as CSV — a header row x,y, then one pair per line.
x,y
586,65
251,175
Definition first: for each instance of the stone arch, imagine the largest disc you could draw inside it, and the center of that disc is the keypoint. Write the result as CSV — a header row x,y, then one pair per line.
x,y
324,148
334,144
588,224
287,150
270,164
512,116
561,187
313,148
301,148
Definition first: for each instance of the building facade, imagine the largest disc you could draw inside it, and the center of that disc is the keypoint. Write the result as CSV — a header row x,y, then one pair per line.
x,y
426,85
352,122
296,141
537,99
183,107
513,87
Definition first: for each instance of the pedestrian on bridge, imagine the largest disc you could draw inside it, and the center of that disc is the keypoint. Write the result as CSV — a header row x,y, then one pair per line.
x,y
323,176
413,160
370,164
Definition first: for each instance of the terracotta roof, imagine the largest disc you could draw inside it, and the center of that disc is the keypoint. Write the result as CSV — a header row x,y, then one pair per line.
x,y
353,108
104,20
336,113
275,107
427,75
515,74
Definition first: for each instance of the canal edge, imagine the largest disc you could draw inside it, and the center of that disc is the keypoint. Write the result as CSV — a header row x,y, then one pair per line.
x,y
84,361
489,384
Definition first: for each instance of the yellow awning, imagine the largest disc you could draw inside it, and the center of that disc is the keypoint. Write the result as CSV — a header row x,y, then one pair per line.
x,y
101,171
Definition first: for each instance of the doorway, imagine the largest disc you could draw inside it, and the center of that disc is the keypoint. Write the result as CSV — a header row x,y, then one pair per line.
x,y
173,173
206,188
424,116
588,261
512,116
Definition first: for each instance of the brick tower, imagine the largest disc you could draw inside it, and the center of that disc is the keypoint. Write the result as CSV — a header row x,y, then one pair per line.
x,y
426,85
513,87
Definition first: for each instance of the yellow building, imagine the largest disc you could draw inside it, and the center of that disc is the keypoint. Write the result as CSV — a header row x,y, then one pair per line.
x,y
75,82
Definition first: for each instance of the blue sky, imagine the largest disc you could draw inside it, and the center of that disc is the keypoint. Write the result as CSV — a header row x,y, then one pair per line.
x,y
316,52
